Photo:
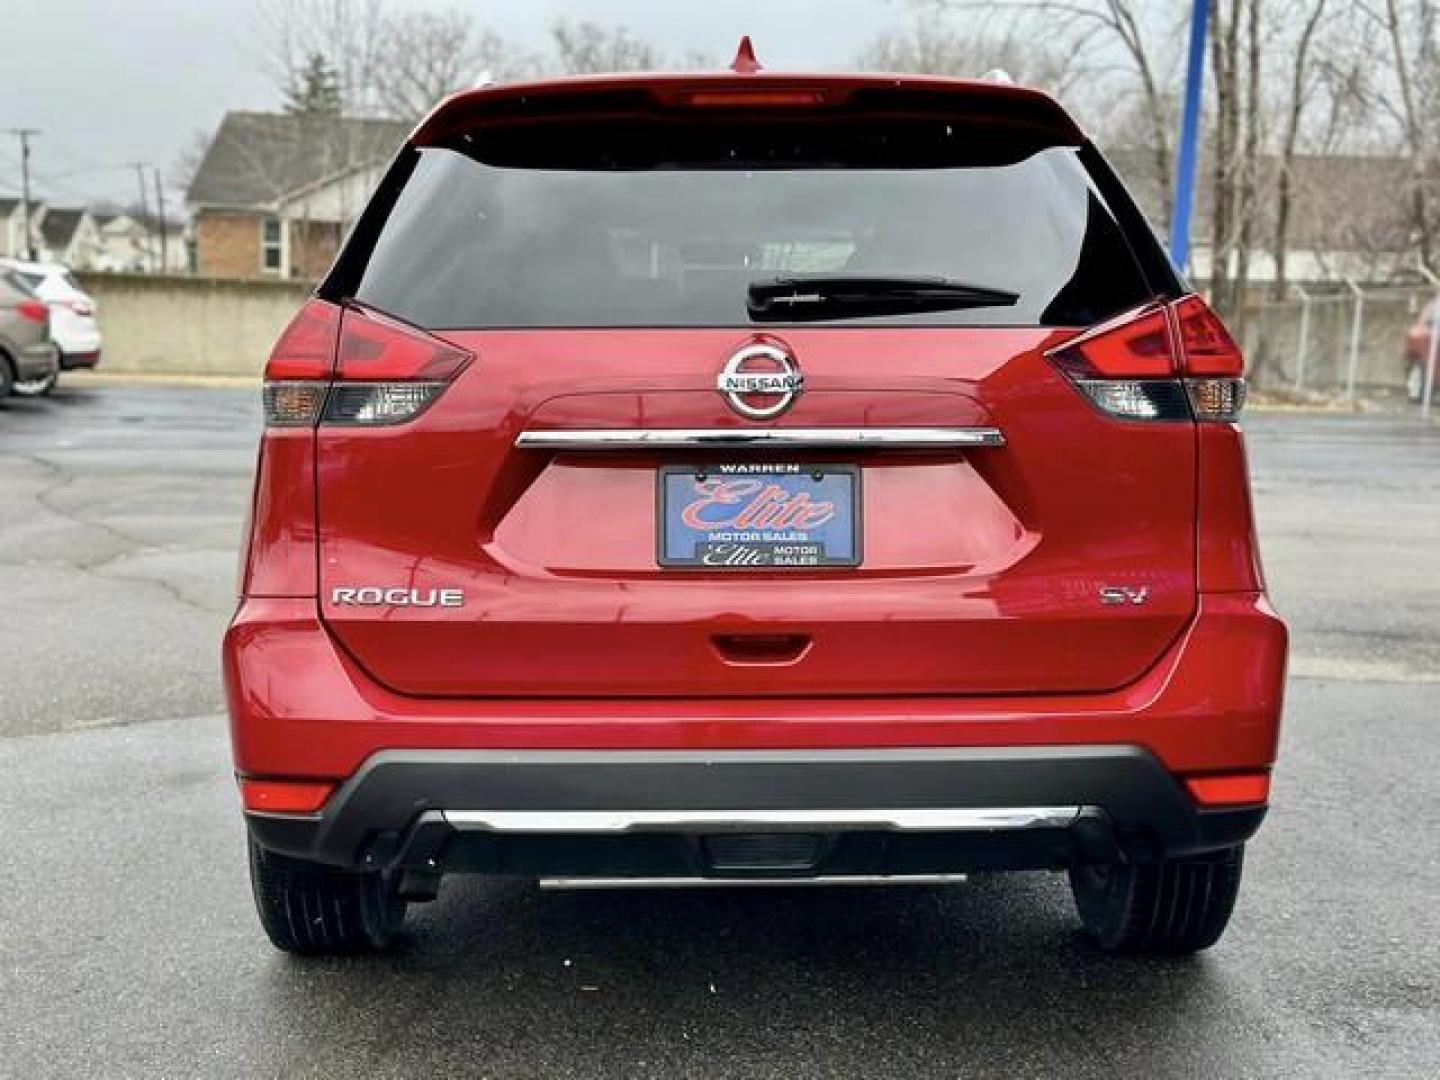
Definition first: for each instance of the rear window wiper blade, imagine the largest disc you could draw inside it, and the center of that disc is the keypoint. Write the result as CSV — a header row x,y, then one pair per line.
x,y
846,296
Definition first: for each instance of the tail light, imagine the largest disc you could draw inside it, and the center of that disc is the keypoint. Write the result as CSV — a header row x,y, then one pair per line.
x,y
1163,362
32,311
355,366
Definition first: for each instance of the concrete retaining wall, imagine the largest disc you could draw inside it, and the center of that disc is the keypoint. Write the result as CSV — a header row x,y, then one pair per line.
x,y
209,326
190,326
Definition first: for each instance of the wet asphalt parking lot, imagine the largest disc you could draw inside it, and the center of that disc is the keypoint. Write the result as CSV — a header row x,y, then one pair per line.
x,y
128,946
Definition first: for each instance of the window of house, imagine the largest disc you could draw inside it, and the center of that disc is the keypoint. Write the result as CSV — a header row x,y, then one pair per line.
x,y
270,246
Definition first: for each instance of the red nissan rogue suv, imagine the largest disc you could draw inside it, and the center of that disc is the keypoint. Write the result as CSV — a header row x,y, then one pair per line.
x,y
752,476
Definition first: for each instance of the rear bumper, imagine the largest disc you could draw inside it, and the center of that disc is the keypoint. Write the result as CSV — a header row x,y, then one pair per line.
x,y
754,813
300,708
37,361
69,361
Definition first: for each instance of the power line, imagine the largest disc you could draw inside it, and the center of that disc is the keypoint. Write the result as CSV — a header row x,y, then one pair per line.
x,y
24,135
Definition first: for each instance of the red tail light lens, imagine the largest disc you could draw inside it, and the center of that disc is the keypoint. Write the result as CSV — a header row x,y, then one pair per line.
x,y
306,349
1158,364
1135,346
32,311
355,366
374,346
1205,344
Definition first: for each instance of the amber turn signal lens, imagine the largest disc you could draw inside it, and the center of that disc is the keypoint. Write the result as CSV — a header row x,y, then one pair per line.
x,y
293,404
1218,400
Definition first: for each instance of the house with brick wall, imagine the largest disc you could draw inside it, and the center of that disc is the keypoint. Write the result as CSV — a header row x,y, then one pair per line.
x,y
275,193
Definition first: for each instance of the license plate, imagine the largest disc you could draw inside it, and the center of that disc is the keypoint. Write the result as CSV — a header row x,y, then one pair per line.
x,y
740,517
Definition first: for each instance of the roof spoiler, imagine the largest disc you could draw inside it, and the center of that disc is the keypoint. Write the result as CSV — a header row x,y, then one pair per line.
x,y
619,97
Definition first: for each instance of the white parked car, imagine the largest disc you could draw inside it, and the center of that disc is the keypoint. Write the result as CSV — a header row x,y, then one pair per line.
x,y
74,324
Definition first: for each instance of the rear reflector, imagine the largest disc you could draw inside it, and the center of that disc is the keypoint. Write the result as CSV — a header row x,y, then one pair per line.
x,y
1233,789
284,796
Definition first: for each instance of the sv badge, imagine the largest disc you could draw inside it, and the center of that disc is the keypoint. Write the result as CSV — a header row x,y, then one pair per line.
x,y
1119,594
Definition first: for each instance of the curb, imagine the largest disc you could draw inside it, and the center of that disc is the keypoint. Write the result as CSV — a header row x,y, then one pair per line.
x,y
139,378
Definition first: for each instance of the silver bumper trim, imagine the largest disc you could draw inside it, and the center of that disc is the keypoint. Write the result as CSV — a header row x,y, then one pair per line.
x,y
917,819
577,883
901,438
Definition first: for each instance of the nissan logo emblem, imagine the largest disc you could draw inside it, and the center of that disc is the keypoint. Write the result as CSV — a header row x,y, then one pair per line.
x,y
760,381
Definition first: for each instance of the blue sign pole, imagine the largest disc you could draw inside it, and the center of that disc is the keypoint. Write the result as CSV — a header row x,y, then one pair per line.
x,y
1189,138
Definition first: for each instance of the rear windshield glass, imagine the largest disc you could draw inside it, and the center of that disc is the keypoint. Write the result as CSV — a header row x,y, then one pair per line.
x,y
455,241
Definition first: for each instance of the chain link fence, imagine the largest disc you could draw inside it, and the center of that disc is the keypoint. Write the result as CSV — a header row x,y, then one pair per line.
x,y
1345,342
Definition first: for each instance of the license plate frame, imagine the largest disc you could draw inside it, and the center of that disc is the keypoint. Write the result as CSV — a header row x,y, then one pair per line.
x,y
833,544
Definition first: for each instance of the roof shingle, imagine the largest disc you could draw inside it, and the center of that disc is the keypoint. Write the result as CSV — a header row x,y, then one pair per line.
x,y
256,158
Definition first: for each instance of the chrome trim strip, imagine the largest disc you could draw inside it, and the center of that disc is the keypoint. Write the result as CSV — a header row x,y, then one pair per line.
x,y
751,883
885,438
919,819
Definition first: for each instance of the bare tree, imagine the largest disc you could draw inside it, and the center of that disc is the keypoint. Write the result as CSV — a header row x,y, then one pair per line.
x,y
427,55
933,47
1301,91
1134,39
347,34
586,48
1410,28
1224,132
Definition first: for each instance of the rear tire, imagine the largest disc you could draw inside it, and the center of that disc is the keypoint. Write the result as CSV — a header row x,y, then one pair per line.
x,y
1173,907
7,377
314,910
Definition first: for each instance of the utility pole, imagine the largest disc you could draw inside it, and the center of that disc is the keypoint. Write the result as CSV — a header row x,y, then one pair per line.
x,y
160,219
24,135
144,205
1189,138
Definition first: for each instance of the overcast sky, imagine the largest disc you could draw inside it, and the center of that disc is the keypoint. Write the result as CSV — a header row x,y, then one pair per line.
x,y
110,82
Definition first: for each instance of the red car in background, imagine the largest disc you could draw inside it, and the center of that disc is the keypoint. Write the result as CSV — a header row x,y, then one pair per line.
x,y
1417,350
750,477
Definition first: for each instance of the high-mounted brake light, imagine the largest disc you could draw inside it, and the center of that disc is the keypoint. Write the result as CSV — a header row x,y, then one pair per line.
x,y
355,366
1159,363
753,99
